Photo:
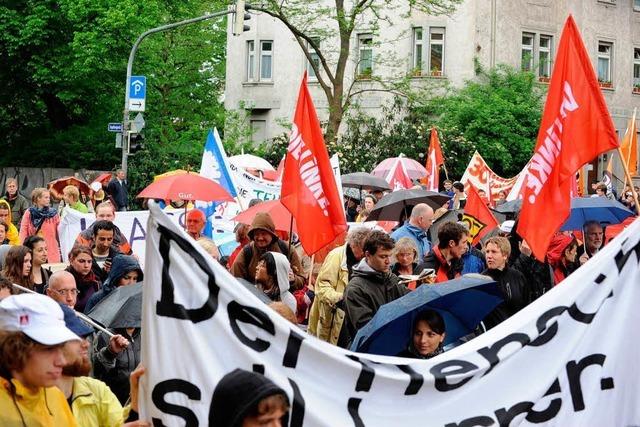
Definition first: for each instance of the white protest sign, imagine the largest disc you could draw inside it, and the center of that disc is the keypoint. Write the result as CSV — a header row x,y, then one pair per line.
x,y
568,359
132,224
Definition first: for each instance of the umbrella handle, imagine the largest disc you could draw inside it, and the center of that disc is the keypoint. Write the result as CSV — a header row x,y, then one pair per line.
x,y
80,315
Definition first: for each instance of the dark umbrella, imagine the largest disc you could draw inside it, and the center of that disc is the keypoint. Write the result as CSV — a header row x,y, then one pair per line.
x,y
599,209
394,204
462,303
122,308
512,206
364,181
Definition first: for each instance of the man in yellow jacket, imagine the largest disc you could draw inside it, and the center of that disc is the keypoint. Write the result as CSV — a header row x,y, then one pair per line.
x,y
326,316
32,334
5,216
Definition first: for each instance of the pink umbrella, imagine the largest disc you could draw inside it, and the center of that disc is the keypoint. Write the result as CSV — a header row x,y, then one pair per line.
x,y
413,168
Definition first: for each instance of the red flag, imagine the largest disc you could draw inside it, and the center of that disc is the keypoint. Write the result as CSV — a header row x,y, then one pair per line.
x,y
398,178
575,128
309,189
434,161
477,215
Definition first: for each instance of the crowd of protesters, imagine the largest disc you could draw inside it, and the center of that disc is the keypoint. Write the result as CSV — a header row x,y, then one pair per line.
x,y
55,366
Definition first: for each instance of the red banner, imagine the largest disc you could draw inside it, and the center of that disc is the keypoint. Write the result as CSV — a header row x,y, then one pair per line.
x,y
309,189
576,127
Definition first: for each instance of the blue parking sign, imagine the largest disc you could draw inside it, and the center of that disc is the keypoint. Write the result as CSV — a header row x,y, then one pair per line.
x,y
137,87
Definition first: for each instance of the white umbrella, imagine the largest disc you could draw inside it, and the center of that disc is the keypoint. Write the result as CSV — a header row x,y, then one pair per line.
x,y
249,161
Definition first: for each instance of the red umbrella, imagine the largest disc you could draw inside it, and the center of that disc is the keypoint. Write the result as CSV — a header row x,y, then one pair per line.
x,y
280,215
103,178
188,186
56,186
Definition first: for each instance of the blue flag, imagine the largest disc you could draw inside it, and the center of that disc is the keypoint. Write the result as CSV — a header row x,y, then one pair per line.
x,y
215,166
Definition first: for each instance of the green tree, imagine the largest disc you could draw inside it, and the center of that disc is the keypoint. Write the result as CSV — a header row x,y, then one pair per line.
x,y
497,114
327,30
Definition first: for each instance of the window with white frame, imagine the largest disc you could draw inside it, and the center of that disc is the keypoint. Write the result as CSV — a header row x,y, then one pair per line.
x,y
365,54
544,55
527,51
636,67
418,49
436,50
251,60
266,60
315,58
605,56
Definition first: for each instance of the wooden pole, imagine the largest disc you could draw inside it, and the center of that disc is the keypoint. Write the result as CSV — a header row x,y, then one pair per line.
x,y
628,177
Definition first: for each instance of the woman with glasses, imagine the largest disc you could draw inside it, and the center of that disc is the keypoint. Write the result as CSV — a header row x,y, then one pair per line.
x,y
39,274
80,262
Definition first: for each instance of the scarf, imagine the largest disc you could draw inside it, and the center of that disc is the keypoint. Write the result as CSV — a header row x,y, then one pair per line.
x,y
39,215
417,355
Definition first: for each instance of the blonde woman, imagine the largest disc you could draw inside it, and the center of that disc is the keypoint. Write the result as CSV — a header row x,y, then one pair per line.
x,y
71,196
405,253
42,220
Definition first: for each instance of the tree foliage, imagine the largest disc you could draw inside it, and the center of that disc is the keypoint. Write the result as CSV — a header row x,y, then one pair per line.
x,y
497,114
63,68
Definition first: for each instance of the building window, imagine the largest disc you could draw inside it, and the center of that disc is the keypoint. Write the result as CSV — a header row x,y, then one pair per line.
x,y
418,57
258,131
251,60
266,59
315,58
544,56
636,5
365,57
527,51
605,56
636,69
436,51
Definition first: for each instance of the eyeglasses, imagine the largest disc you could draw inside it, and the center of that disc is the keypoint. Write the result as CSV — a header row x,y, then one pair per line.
x,y
64,292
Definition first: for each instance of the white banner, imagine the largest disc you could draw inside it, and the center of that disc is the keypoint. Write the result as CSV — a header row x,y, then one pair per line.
x,y
568,359
133,224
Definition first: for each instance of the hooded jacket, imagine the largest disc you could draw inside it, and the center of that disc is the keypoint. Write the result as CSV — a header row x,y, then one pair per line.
x,y
367,290
86,238
121,266
555,253
19,205
248,258
114,369
12,234
282,275
237,394
47,407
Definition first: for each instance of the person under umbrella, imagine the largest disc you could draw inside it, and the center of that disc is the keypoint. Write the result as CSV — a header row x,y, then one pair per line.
x,y
561,255
125,270
427,336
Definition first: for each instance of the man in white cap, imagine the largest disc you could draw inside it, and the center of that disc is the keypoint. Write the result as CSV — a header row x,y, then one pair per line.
x,y
32,336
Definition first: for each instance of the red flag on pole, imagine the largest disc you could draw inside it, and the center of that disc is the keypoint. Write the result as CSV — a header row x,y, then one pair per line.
x,y
309,189
435,159
398,177
575,128
477,216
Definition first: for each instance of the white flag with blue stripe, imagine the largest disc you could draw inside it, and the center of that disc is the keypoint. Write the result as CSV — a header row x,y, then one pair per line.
x,y
215,166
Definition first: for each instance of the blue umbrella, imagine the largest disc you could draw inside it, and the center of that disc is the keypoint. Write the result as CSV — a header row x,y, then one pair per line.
x,y
462,303
599,209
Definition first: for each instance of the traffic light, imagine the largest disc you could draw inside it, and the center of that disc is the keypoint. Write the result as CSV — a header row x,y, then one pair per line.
x,y
239,17
136,143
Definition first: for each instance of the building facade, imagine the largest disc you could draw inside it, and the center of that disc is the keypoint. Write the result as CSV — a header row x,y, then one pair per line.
x,y
265,64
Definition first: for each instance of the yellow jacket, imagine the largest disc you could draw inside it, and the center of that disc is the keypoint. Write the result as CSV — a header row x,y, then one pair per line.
x,y
94,404
12,234
45,408
325,319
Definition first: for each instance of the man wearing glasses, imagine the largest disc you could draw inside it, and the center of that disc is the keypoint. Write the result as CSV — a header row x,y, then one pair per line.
x,y
62,288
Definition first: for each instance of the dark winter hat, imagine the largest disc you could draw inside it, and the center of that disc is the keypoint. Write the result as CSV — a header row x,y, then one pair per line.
x,y
263,221
237,394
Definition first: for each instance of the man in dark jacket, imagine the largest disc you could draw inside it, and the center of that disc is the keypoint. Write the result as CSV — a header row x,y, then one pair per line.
x,y
446,258
18,203
118,188
372,284
511,282
263,239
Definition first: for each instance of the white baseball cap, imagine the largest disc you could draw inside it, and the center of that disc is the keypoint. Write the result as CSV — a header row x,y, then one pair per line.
x,y
37,316
507,226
